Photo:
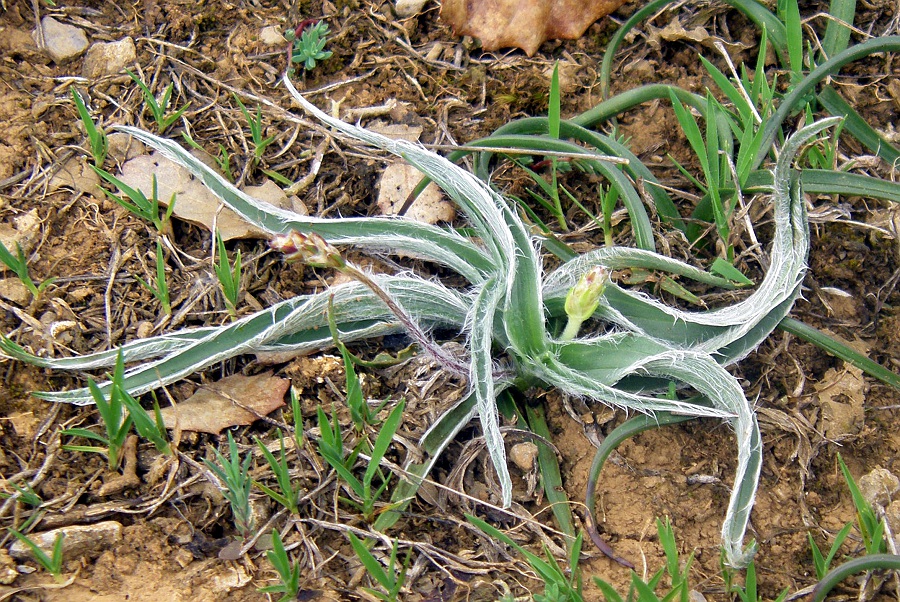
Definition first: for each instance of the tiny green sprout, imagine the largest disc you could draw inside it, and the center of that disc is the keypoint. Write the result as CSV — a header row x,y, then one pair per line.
x,y
256,133
583,299
116,420
229,275
310,46
158,108
287,572
138,203
160,289
289,496
96,136
52,563
153,429
391,580
18,264
235,476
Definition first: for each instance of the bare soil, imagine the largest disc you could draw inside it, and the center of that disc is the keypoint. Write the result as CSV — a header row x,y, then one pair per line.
x,y
411,72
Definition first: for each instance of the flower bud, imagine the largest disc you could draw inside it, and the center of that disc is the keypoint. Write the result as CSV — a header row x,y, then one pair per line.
x,y
310,248
584,297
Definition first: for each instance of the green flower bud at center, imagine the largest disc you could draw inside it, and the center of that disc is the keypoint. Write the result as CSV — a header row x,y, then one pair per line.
x,y
584,298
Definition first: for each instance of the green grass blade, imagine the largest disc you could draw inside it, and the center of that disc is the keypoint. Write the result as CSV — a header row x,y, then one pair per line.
x,y
383,441
805,86
856,126
870,562
840,350
765,19
647,10
837,35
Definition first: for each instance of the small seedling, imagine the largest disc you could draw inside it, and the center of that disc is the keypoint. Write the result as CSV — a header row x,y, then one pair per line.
x,y
138,203
229,275
331,449
96,136
152,429
115,419
224,162
159,289
288,572
18,264
390,580
297,415
871,528
26,495
256,135
748,592
53,563
235,476
557,586
289,496
310,46
821,563
159,108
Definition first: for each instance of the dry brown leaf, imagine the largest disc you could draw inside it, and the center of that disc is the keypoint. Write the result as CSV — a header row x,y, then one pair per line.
x,y
524,24
232,401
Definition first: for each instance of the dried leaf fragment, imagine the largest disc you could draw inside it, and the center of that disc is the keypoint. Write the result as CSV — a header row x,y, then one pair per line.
x,y
232,401
524,24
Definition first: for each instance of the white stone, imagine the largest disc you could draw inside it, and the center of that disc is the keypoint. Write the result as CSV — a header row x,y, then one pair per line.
x,y
408,8
108,58
271,36
62,42
79,541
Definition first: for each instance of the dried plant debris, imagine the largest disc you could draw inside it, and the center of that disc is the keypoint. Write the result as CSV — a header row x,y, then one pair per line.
x,y
525,25
232,401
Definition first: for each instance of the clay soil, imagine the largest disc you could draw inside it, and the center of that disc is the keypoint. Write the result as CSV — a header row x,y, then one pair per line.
x,y
177,532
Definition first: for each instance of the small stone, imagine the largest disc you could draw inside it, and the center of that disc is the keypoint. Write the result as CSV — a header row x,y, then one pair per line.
x,y
878,487
144,329
108,58
79,541
25,232
892,515
408,8
8,572
271,36
62,42
524,455
14,291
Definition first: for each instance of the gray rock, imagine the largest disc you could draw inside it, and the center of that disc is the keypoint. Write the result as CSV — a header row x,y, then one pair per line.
x,y
108,58
62,42
879,486
80,540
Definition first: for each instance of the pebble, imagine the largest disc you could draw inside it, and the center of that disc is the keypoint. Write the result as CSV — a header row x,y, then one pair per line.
x,y
408,8
80,540
524,455
13,290
108,58
271,36
62,42
8,572
879,486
